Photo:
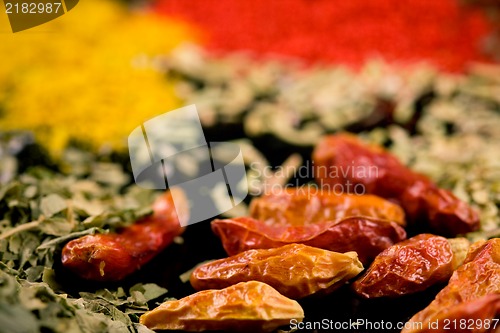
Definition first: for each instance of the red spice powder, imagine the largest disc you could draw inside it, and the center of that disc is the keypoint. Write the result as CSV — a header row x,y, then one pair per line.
x,y
443,32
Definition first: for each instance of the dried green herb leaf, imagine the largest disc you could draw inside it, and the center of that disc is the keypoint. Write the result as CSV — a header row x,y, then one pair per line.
x,y
52,204
59,240
16,319
152,291
56,226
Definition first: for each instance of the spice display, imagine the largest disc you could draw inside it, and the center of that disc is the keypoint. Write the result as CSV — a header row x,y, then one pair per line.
x,y
111,257
294,270
77,238
412,266
462,298
247,306
364,235
421,199
294,206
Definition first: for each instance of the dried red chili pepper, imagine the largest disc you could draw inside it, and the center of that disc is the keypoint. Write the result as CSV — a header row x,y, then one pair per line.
x,y
365,235
411,266
477,316
301,206
111,257
382,174
244,307
295,270
463,297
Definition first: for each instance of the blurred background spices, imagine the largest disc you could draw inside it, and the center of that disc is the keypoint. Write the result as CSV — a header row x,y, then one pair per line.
x,y
92,75
89,76
445,32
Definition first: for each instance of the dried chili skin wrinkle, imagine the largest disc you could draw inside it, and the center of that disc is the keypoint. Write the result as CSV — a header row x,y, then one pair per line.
x,y
365,235
477,316
111,257
343,159
299,206
247,306
409,267
294,270
464,296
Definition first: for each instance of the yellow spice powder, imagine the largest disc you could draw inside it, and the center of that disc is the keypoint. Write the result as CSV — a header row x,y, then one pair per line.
x,y
87,75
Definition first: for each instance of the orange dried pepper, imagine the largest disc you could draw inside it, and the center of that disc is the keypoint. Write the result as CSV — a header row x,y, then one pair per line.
x,y
247,306
301,206
294,270
343,159
476,316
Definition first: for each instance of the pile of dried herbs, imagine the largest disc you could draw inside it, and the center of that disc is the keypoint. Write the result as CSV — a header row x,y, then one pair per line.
x,y
40,210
